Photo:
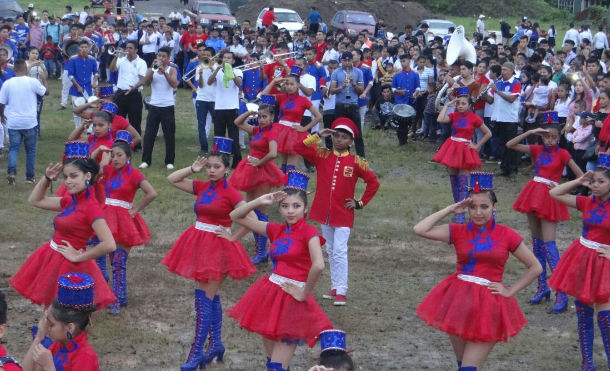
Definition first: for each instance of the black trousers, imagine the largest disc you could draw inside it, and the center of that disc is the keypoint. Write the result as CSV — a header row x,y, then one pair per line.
x,y
130,107
327,119
314,27
164,116
510,159
352,112
224,122
149,58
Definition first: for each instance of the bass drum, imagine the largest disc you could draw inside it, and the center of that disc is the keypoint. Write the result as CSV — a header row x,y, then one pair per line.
x,y
403,115
71,48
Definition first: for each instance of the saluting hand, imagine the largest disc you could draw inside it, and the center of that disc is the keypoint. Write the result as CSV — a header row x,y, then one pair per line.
x,y
272,198
586,179
199,164
53,170
326,132
461,206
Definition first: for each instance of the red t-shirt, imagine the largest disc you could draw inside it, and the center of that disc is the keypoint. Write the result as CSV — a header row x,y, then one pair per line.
x,y
275,69
320,50
48,51
268,18
292,107
215,201
196,39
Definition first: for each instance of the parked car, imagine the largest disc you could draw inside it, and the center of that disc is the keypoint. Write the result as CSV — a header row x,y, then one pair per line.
x,y
352,22
437,27
207,12
10,9
284,18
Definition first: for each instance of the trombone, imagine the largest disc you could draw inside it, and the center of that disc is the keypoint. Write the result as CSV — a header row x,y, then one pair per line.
x,y
266,58
112,50
204,64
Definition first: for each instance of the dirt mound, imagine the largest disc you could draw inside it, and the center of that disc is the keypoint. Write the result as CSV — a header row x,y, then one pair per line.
x,y
396,14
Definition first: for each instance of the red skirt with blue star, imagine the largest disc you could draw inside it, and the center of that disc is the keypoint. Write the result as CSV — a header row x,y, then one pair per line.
x,y
471,311
271,312
204,256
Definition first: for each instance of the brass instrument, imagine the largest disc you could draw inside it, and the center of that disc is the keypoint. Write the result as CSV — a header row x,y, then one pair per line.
x,y
266,58
155,66
204,63
118,51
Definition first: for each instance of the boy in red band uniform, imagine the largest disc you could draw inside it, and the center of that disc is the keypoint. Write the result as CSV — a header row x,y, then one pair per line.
x,y
334,203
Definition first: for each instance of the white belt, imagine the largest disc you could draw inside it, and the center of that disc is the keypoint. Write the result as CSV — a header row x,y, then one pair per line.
x,y
54,246
545,181
252,158
280,280
288,123
458,139
592,244
209,227
115,202
474,279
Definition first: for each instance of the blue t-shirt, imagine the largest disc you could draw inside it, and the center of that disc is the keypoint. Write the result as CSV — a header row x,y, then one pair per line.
x,y
314,17
347,95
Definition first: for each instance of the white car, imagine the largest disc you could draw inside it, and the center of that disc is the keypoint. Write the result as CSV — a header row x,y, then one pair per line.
x,y
436,27
284,18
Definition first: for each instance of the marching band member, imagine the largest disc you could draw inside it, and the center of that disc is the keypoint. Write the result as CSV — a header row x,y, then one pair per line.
x,y
206,96
473,306
315,69
543,212
207,252
280,67
405,86
82,71
459,153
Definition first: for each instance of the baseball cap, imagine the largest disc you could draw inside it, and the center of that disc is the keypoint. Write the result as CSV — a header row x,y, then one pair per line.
x,y
30,5
347,55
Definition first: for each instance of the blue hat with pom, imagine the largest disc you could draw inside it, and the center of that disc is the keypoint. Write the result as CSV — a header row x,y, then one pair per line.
x,y
296,70
462,91
297,180
603,160
76,290
551,117
224,145
268,99
123,135
481,181
76,150
106,91
110,108
332,340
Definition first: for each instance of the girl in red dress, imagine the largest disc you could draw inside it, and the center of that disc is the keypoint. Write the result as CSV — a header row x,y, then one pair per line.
x,y
280,307
292,106
207,252
121,182
88,110
257,173
459,154
543,212
582,271
65,322
81,217
472,305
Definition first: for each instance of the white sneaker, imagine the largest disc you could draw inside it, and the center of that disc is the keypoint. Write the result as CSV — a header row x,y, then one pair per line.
x,y
170,166
143,165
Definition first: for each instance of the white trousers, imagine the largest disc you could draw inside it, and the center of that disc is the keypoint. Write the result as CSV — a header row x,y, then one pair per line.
x,y
65,88
336,247
362,110
77,118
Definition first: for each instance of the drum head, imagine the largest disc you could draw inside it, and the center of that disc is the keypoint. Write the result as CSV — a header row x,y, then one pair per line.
x,y
72,49
403,110
252,107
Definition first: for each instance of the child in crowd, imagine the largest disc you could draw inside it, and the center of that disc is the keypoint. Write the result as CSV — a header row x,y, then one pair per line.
x,y
384,107
6,363
429,129
539,97
582,138
48,54
386,80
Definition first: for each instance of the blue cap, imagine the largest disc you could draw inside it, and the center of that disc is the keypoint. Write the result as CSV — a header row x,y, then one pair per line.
x,y
296,70
603,160
297,180
332,340
123,135
75,290
223,145
347,55
76,150
268,99
586,115
110,108
106,91
550,117
481,181
462,91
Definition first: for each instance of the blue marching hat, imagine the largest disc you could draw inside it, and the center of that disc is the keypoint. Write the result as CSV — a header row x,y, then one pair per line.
x,y
603,160
76,150
550,117
296,70
481,181
332,340
75,290
110,108
268,99
297,180
223,145
462,91
123,135
106,91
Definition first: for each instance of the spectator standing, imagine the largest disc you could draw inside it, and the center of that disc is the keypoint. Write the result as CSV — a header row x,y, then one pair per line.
x,y
18,101
149,43
22,36
600,40
174,18
571,34
268,18
82,17
505,30
481,25
214,41
36,34
314,17
48,55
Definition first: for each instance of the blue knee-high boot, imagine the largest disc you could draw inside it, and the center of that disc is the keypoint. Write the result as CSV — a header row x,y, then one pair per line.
x,y
283,168
119,279
262,256
101,262
462,194
275,366
215,347
543,290
584,316
454,186
603,321
203,318
552,256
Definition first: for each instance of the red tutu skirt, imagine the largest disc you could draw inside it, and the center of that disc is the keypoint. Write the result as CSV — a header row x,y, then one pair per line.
x,y
471,311
458,155
127,231
287,137
535,197
37,277
269,311
583,274
204,256
247,178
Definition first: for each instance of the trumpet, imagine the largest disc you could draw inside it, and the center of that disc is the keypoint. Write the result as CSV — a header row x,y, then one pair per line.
x,y
112,50
155,66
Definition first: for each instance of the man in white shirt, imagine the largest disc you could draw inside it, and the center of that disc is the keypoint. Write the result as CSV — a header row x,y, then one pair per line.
x,y
132,70
150,44
206,95
227,101
18,102
572,34
481,25
174,18
82,17
600,40
585,34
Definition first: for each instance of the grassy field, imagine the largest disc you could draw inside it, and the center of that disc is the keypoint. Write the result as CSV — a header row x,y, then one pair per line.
x,y
391,270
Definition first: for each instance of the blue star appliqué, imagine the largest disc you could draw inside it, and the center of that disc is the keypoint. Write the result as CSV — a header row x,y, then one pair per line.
x,y
279,247
481,244
114,183
60,360
595,216
288,105
461,122
68,210
545,158
206,197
